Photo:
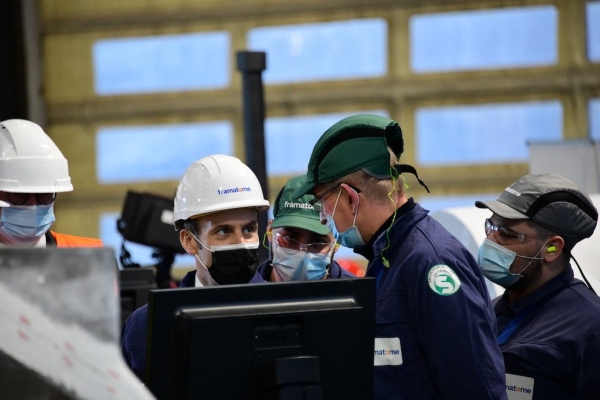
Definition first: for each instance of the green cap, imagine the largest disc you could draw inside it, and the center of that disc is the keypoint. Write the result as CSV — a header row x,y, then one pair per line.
x,y
359,142
296,213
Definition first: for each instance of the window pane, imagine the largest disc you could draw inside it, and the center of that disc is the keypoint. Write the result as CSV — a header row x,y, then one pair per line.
x,y
140,254
484,134
282,134
439,203
594,112
499,38
154,153
197,61
593,30
325,51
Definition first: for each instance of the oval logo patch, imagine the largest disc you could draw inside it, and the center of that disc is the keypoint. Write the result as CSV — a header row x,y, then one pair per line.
x,y
443,280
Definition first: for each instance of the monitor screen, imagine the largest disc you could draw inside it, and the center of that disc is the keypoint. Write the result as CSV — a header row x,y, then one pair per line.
x,y
307,340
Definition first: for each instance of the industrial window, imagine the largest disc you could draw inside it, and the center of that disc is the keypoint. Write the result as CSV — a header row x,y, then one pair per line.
x,y
594,113
289,141
593,30
167,63
484,134
322,51
439,203
484,39
157,153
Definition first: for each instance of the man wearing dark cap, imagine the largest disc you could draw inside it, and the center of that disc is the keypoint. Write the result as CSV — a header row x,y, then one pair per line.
x,y
548,321
435,332
302,248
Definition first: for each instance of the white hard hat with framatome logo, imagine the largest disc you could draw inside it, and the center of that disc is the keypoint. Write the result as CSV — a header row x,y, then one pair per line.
x,y
216,183
30,162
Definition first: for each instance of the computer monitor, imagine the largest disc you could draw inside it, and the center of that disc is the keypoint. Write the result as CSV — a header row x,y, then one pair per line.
x,y
305,340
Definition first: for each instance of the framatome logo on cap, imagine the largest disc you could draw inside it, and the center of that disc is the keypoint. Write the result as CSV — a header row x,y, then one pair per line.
x,y
234,190
288,204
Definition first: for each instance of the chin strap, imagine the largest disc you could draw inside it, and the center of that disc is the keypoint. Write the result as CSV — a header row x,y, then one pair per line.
x,y
400,168
395,178
267,241
583,276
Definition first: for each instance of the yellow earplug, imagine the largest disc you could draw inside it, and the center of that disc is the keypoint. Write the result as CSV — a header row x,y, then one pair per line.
x,y
551,249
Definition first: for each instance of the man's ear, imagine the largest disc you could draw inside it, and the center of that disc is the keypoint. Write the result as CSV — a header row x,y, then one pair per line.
x,y
353,199
187,242
554,248
269,231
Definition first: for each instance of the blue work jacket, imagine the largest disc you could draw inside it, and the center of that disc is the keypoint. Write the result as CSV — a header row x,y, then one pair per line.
x,y
435,335
134,333
551,339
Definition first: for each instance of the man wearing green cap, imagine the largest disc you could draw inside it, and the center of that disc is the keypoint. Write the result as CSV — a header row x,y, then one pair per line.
x,y
435,334
302,248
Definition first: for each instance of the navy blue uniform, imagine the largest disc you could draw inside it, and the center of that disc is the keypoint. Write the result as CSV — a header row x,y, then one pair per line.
x,y
557,342
435,334
134,333
263,273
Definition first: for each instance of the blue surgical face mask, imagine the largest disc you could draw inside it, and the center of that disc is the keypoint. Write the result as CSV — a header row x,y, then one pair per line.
x,y
350,237
495,261
292,265
26,224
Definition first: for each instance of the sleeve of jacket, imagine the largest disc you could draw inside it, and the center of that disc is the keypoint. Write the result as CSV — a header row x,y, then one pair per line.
x,y
587,384
133,341
456,330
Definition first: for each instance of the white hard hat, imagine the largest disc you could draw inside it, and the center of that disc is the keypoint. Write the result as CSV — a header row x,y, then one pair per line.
x,y
217,183
30,162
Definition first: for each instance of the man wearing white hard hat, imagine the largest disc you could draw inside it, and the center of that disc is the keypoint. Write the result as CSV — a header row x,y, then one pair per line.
x,y
32,172
216,210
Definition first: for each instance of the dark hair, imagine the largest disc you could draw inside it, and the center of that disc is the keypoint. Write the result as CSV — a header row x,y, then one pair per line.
x,y
191,225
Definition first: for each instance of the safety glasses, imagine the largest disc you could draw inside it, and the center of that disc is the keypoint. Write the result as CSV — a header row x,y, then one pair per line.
x,y
317,202
18,199
287,242
505,235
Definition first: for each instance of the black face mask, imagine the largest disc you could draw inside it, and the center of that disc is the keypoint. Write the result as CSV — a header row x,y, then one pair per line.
x,y
235,266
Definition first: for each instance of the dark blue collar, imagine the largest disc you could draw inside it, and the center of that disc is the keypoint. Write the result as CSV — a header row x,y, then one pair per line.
x,y
541,294
367,250
189,280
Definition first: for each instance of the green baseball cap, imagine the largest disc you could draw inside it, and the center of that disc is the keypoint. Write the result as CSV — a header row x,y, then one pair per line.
x,y
358,142
296,213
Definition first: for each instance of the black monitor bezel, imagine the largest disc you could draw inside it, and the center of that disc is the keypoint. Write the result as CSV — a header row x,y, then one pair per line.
x,y
163,305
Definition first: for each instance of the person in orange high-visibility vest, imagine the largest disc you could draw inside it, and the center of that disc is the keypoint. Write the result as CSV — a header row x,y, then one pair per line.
x,y
32,172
